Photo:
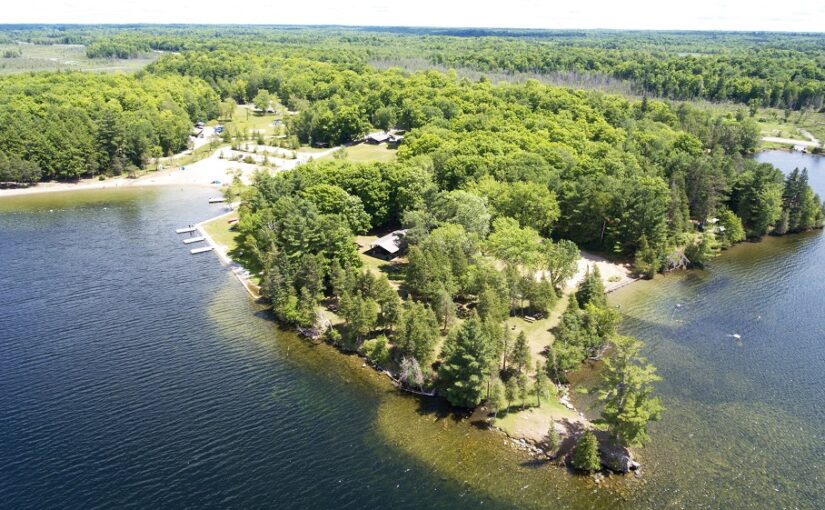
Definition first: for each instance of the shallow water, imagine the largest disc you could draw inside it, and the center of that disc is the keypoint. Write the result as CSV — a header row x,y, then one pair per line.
x,y
135,374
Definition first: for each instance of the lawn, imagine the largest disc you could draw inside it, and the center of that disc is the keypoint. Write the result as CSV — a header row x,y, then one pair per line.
x,y
393,269
364,152
534,422
221,232
245,119
538,332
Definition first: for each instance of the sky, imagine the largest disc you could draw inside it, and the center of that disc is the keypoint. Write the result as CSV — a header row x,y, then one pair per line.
x,y
742,15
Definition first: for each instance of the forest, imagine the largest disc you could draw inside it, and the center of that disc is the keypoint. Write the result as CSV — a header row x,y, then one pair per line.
x,y
757,69
70,125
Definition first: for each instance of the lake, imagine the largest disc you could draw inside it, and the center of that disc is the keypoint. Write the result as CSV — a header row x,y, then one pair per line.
x,y
135,374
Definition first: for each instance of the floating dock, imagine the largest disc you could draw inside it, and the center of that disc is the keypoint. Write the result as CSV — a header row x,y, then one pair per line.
x,y
216,200
194,240
195,251
185,230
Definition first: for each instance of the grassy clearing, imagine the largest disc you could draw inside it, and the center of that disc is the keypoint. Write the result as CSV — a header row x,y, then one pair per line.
x,y
538,332
364,152
393,269
221,232
246,119
65,57
533,422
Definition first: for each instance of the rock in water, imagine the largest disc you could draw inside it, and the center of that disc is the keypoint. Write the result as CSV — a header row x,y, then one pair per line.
x,y
617,458
614,456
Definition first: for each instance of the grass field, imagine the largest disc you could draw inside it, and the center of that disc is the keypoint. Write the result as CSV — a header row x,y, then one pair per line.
x,y
245,119
364,152
65,57
533,422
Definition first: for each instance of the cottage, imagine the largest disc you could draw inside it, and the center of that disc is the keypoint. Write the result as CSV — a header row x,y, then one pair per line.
x,y
377,138
389,246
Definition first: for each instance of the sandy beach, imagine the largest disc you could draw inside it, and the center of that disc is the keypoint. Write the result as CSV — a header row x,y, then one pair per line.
x,y
212,171
614,275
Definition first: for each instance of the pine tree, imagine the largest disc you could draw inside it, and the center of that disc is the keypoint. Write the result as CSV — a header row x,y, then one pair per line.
x,y
468,353
497,398
521,352
591,289
510,391
542,384
647,262
553,439
444,308
523,388
417,332
586,456
627,392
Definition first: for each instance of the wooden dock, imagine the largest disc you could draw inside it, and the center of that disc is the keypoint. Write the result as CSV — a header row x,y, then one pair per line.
x,y
185,230
194,240
195,251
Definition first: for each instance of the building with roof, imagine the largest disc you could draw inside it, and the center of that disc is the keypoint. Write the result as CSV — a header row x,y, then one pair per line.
x,y
389,246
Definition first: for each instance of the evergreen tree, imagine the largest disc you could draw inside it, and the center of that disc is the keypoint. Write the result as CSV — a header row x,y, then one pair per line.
x,y
467,356
360,314
497,397
417,333
523,388
647,262
444,308
591,290
553,440
492,305
520,355
511,391
626,391
541,386
586,456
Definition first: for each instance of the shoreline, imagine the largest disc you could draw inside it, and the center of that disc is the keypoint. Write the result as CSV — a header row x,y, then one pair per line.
x,y
95,184
240,272
212,171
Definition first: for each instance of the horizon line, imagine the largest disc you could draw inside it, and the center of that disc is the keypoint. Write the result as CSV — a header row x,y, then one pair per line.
x,y
413,27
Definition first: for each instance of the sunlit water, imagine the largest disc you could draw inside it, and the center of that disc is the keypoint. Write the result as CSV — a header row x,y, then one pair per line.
x,y
135,374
